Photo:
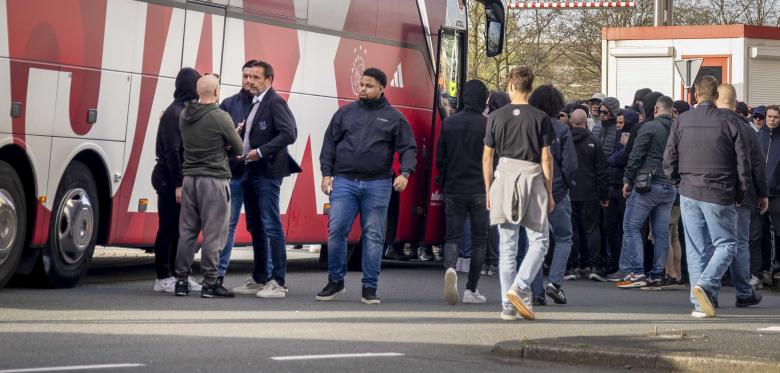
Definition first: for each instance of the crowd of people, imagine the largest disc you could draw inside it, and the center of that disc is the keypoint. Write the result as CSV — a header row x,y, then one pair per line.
x,y
533,186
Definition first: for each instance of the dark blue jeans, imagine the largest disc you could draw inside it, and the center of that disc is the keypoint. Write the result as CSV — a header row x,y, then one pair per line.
x,y
657,205
370,198
261,202
236,202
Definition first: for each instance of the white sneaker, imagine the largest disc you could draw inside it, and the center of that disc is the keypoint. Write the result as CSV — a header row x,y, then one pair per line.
x,y
451,286
249,287
166,285
272,290
473,297
194,285
314,249
509,313
700,315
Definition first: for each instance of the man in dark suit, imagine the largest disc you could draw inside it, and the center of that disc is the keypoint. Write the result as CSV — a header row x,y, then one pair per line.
x,y
269,129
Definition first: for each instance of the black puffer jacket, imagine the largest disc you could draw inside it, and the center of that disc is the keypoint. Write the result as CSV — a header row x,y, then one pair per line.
x,y
591,178
606,133
169,153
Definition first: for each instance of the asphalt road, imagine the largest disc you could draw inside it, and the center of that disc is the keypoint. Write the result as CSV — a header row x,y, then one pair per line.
x,y
114,317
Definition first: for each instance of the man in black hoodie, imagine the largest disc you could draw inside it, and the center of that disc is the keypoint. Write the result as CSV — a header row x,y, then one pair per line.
x,y
459,160
357,173
167,179
589,194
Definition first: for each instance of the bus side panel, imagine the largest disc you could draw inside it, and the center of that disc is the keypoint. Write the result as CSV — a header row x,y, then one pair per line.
x,y
434,220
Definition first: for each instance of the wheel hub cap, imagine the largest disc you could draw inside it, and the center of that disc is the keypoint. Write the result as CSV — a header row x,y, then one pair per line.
x,y
7,224
75,225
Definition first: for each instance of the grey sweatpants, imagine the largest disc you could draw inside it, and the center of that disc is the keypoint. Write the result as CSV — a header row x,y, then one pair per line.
x,y
205,203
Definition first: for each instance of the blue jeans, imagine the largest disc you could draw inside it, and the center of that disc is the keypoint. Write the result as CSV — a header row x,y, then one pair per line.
x,y
657,204
710,242
740,266
370,198
560,228
531,265
261,201
236,202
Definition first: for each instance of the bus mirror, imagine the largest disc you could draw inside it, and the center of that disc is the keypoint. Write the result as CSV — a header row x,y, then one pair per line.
x,y
494,27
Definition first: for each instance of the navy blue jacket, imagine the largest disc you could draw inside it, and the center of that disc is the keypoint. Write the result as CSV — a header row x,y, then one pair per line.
x,y
362,139
273,129
564,160
238,106
706,155
770,144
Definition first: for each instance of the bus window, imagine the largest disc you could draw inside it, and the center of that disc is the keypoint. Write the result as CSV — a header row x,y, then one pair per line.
x,y
449,73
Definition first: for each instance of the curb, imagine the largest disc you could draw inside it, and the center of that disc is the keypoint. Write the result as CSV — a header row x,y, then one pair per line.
x,y
586,355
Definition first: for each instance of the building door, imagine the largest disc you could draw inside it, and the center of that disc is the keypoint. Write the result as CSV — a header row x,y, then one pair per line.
x,y
716,66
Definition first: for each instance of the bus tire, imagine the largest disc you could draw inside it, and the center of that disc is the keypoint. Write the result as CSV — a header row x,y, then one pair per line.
x,y
13,222
73,229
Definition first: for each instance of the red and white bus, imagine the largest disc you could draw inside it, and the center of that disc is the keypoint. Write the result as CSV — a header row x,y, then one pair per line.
x,y
83,83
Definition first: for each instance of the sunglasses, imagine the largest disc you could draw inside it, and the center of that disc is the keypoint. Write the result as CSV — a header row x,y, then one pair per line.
x,y
563,115
604,112
758,117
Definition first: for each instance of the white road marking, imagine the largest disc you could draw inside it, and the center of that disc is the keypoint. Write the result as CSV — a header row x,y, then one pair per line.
x,y
770,329
334,356
73,367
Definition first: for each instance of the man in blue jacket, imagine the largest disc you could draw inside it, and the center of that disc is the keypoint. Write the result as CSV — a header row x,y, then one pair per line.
x,y
356,162
769,137
548,99
654,199
238,106
706,155
269,128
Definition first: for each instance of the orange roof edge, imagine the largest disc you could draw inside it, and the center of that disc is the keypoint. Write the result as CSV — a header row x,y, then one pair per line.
x,y
690,32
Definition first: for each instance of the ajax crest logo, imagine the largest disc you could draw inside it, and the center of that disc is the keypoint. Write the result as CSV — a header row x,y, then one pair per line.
x,y
358,66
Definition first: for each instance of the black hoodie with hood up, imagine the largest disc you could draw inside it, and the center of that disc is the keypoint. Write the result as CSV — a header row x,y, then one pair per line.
x,y
591,179
167,174
461,143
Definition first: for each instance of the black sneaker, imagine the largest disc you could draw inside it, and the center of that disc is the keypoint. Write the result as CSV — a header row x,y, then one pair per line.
x,y
182,288
653,284
705,300
540,301
215,290
599,275
584,272
556,293
330,290
369,296
571,274
220,280
749,301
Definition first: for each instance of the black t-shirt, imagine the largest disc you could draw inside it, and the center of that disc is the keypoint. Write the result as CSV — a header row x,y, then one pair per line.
x,y
519,132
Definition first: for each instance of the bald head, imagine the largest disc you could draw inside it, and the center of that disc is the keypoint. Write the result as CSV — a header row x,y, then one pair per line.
x,y
208,89
579,118
727,97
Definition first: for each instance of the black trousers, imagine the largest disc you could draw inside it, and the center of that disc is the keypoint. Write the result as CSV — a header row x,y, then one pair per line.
x,y
456,208
167,240
586,248
760,243
613,226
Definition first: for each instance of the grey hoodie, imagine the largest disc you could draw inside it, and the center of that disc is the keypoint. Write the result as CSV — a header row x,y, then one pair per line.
x,y
205,132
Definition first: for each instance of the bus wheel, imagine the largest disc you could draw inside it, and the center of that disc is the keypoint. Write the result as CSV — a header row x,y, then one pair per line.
x,y
74,227
13,222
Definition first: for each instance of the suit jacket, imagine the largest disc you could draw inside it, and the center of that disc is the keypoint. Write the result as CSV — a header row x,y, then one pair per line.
x,y
273,129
